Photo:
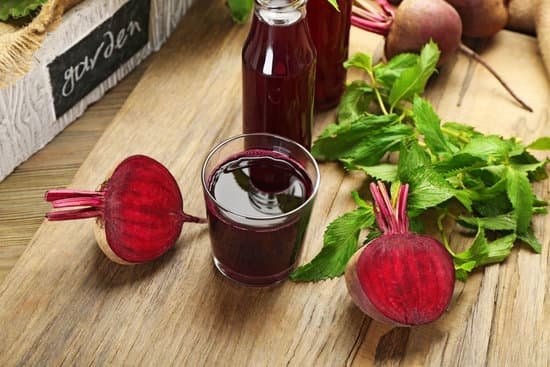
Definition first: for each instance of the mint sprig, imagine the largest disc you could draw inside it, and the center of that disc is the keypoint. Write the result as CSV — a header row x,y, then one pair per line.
x,y
483,182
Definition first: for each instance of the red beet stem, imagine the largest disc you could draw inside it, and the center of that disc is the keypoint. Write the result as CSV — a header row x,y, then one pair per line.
x,y
95,201
84,213
59,194
367,17
387,7
390,220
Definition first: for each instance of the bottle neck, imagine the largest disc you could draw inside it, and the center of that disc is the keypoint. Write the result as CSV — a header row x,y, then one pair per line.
x,y
280,12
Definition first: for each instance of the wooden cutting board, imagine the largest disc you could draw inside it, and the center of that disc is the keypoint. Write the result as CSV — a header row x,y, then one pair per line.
x,y
64,303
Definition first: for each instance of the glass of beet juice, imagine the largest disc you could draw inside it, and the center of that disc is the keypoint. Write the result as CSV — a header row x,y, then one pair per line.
x,y
259,191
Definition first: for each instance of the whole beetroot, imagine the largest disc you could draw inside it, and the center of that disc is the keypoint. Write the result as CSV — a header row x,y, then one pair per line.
x,y
481,18
418,21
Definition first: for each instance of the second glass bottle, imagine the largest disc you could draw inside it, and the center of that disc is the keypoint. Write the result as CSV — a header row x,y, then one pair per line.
x,y
279,61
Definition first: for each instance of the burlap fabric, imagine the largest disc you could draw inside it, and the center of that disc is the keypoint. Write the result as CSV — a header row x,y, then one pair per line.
x,y
18,44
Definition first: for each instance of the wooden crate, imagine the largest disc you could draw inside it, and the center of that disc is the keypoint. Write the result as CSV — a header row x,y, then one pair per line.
x,y
96,45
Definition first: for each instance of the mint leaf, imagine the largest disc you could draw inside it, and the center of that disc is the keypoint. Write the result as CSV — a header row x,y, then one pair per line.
x,y
411,157
336,141
360,61
240,9
387,74
339,245
369,151
18,8
499,250
473,257
384,172
413,80
491,148
354,102
458,162
529,238
429,125
540,144
427,189
520,194
505,222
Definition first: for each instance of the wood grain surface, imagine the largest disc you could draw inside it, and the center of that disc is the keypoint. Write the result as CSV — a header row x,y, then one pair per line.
x,y
64,303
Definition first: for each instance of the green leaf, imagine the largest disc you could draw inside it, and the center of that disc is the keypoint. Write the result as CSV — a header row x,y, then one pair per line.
x,y
336,141
360,61
491,148
339,245
354,102
473,257
520,194
530,239
240,9
457,162
429,125
411,157
385,172
387,74
427,189
18,8
499,250
505,222
369,151
413,80
540,144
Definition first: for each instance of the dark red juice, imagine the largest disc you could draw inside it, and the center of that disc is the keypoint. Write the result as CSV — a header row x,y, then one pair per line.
x,y
279,76
330,33
256,235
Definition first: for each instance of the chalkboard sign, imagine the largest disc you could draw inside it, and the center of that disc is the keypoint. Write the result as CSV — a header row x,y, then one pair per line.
x,y
92,60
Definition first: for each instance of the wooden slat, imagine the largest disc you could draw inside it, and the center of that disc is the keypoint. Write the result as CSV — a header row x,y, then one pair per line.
x,y
65,303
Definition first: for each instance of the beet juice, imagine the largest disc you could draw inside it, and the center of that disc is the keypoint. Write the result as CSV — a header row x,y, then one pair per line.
x,y
330,33
279,71
258,203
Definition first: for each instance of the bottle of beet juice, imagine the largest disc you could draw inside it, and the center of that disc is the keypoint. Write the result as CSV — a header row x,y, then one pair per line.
x,y
279,71
330,33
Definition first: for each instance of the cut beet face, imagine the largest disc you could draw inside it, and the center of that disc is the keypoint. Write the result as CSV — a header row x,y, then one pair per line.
x,y
400,278
139,210
408,278
142,215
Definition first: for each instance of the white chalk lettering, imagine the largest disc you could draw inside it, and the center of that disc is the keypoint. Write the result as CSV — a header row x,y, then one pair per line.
x,y
74,73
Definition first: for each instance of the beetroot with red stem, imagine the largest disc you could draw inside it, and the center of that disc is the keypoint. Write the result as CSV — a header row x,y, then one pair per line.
x,y
400,278
138,210
412,25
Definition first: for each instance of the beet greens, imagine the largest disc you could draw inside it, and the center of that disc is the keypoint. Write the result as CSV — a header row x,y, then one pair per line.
x,y
482,182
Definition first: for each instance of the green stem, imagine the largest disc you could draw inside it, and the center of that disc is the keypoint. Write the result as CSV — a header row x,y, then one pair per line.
x,y
440,219
377,93
455,135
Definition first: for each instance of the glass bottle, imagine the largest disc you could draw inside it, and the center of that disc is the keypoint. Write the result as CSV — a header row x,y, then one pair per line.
x,y
279,71
330,33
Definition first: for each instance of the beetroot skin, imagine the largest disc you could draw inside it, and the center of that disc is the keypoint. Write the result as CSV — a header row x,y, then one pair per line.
x,y
481,18
138,210
418,21
400,278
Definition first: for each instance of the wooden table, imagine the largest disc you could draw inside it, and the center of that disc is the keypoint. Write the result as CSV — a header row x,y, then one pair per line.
x,y
64,303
